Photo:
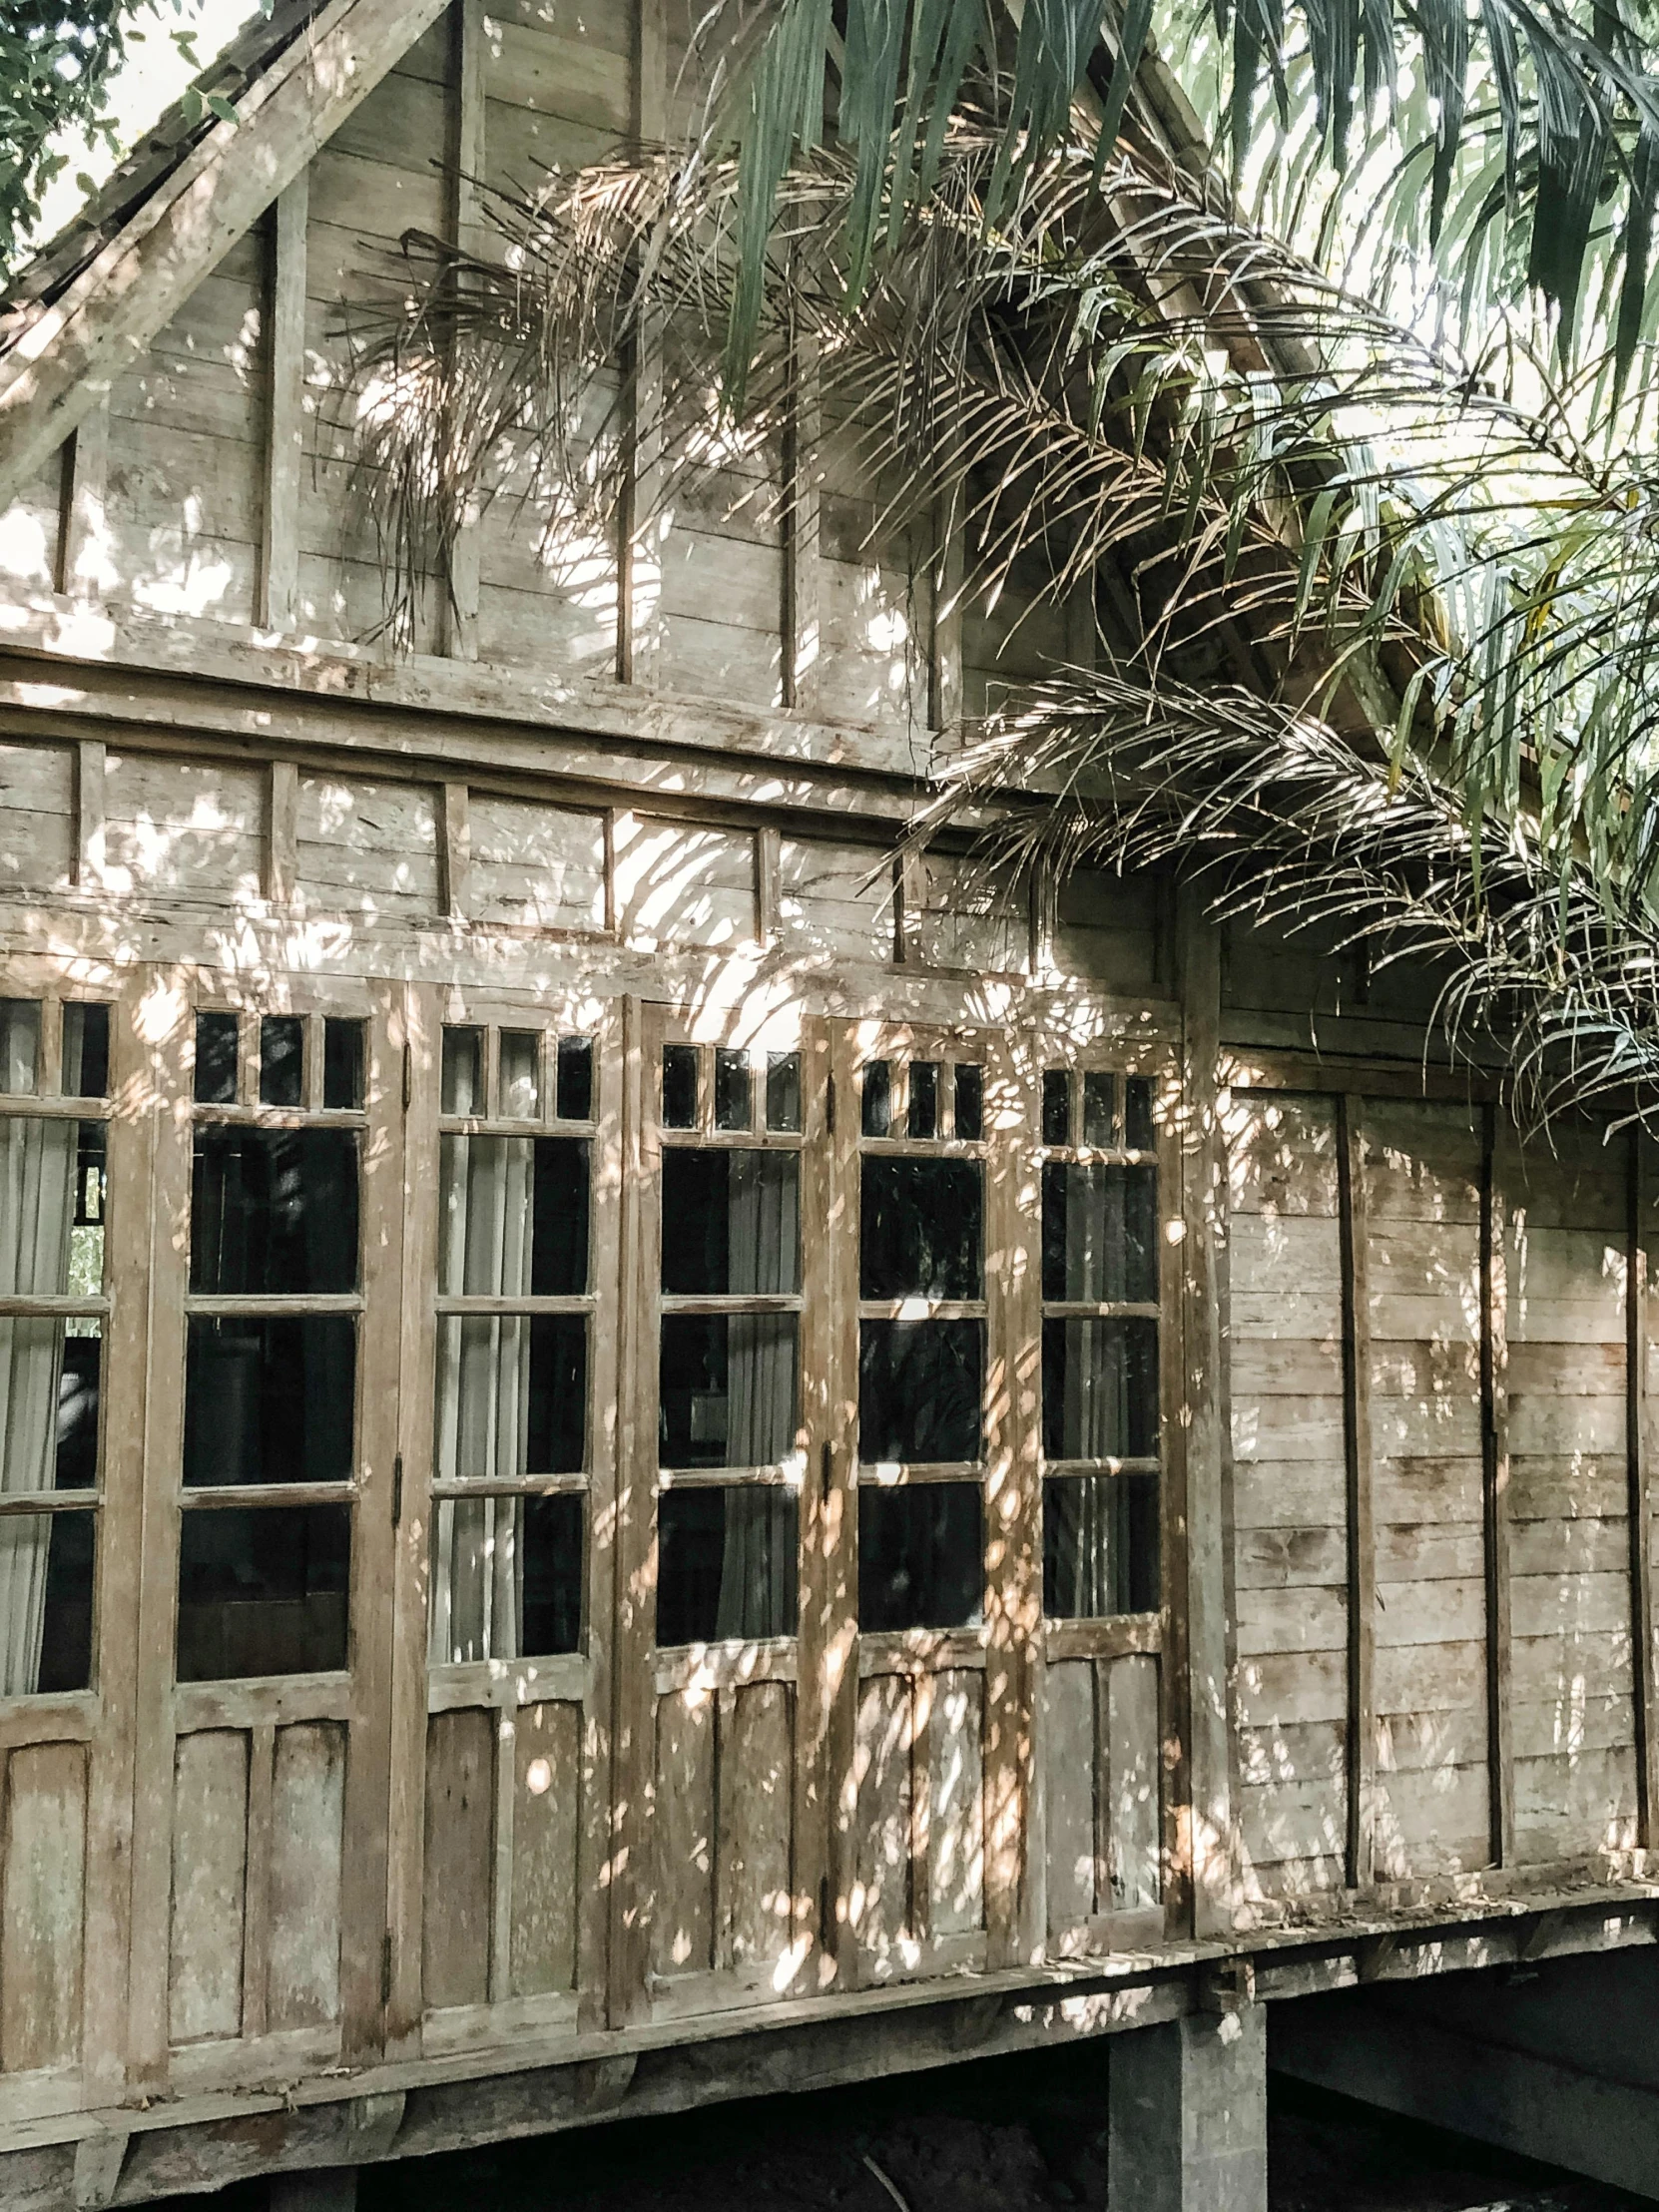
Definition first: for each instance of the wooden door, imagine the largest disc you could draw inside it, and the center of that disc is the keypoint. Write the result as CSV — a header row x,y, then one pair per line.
x,y
505,1574
270,1440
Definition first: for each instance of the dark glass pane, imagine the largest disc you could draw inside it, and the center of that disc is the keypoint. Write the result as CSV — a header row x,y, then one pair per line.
x,y
80,1374
1100,1545
920,1229
1100,1232
216,1059
269,1401
513,1217
877,1099
925,1098
679,1086
1139,1132
274,1211
734,1102
66,1630
262,1591
462,1090
731,1222
1100,1390
920,1390
19,1046
342,1064
506,1578
1099,1101
1056,1106
281,1060
725,1564
784,1091
559,1248
922,1556
575,1095
970,1102
512,1396
86,1050
519,1074
726,1389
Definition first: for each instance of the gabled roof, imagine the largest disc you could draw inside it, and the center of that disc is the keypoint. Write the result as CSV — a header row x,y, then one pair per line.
x,y
103,290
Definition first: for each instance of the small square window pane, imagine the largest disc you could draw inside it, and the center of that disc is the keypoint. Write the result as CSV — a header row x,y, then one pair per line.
x,y
1100,1545
19,1046
727,1564
46,1586
281,1060
1100,1390
274,1211
262,1591
970,1102
878,1098
726,1389
679,1086
731,1222
270,1399
506,1578
1099,1104
464,1072
734,1100
513,1217
342,1064
512,1396
86,1050
1056,1106
1139,1131
521,1075
922,1556
575,1093
1100,1232
921,1227
784,1091
216,1059
925,1098
920,1391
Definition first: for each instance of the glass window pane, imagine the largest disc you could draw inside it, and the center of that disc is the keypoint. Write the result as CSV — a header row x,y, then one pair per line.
x,y
1099,1102
731,1222
48,1385
281,1060
19,1046
342,1064
575,1099
784,1091
80,1385
725,1564
920,1229
86,1050
46,1586
513,1217
1139,1132
512,1396
924,1118
734,1105
877,1099
1056,1106
1100,1545
274,1211
920,1390
86,1235
726,1389
52,1190
216,1059
1100,1232
270,1399
1100,1390
679,1086
922,1556
520,1096
506,1578
262,1591
970,1102
462,1090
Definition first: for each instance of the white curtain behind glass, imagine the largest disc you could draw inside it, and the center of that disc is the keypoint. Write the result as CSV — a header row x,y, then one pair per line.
x,y
1084,1511
37,1206
764,1243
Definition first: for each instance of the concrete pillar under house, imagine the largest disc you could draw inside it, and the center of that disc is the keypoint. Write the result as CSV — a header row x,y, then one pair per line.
x,y
1189,2115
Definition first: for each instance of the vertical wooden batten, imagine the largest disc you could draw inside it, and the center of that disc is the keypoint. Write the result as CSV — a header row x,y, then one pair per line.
x,y
464,170
801,610
1639,1460
282,833
277,605
1360,1737
455,852
1495,1441
90,770
639,612
82,524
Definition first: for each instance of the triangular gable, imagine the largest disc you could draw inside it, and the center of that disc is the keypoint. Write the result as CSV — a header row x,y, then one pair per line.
x,y
62,363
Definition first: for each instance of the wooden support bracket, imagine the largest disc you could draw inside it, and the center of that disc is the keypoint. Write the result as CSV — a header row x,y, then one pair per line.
x,y
98,2162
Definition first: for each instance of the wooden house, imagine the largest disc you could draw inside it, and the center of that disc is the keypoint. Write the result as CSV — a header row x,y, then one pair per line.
x,y
1033,1474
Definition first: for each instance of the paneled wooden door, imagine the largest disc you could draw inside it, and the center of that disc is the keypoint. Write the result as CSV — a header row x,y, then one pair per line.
x,y
270,1437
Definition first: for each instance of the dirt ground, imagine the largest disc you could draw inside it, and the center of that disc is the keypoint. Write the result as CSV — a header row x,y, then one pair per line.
x,y
1007,2136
